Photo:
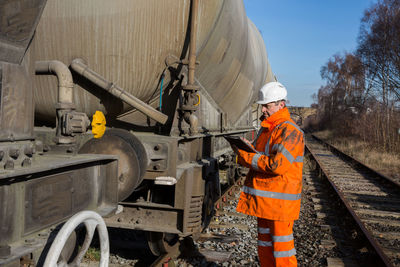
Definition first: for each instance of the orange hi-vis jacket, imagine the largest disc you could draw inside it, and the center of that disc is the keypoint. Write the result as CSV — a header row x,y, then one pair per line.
x,y
272,189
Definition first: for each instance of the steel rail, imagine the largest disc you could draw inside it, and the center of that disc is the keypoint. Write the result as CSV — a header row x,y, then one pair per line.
x,y
164,259
228,193
361,224
362,165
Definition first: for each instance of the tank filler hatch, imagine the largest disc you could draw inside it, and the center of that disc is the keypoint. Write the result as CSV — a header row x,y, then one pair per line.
x,y
18,21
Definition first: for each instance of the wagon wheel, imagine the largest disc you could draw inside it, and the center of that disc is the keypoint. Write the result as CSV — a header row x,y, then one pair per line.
x,y
162,243
159,242
132,162
92,221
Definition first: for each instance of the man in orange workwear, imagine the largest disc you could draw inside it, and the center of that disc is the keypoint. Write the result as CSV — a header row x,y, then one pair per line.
x,y
272,189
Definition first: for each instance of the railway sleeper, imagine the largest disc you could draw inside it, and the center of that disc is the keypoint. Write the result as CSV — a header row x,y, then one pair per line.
x,y
379,244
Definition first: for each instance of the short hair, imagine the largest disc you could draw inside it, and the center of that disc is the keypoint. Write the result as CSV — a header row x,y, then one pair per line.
x,y
279,101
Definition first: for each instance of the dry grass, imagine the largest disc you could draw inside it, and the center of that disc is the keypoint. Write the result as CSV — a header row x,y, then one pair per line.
x,y
385,163
92,254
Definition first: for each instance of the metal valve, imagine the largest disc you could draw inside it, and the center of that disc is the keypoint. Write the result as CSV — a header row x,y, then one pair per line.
x,y
74,123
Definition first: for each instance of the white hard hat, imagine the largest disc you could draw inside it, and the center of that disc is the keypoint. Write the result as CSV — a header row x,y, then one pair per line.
x,y
271,92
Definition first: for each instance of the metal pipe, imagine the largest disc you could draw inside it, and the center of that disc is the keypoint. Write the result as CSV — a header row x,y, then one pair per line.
x,y
79,66
190,89
64,76
193,121
193,37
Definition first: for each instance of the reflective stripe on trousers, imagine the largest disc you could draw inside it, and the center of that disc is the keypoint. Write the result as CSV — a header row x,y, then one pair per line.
x,y
275,243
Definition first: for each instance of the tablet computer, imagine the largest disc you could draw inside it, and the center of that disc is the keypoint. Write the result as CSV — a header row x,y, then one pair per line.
x,y
239,143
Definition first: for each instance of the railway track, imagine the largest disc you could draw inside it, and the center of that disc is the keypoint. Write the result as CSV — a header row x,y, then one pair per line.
x,y
372,199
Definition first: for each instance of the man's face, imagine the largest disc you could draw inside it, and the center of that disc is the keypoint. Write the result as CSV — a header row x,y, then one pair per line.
x,y
270,108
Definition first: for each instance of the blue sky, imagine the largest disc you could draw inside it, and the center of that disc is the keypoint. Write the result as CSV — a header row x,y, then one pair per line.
x,y
301,36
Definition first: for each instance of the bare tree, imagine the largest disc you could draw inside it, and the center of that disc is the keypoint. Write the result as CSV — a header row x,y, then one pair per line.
x,y
379,50
361,96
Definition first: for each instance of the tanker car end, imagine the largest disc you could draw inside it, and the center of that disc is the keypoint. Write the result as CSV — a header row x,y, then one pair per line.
x,y
46,190
158,166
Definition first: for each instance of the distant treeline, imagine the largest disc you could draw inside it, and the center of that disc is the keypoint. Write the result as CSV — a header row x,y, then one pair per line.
x,y
361,97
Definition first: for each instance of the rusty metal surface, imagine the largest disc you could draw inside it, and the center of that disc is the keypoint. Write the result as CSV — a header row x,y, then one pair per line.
x,y
50,162
128,42
16,102
50,199
167,208
18,20
145,218
8,198
54,188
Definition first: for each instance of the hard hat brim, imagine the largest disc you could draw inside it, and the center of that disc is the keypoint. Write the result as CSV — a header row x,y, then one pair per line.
x,y
265,102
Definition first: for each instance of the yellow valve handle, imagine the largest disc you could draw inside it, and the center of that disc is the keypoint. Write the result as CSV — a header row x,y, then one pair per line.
x,y
98,124
198,102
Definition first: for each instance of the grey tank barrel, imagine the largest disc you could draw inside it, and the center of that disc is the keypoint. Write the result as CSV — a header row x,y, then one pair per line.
x,y
79,66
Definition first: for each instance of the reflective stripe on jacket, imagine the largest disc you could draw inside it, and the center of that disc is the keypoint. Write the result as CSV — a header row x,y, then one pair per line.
x,y
272,189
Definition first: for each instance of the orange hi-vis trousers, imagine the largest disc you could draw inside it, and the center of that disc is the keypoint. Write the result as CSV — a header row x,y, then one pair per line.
x,y
275,243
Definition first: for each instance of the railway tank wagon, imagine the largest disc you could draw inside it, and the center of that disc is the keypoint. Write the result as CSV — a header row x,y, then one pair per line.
x,y
43,185
172,77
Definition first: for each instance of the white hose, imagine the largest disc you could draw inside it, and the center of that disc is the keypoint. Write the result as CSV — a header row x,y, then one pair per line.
x,y
91,220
